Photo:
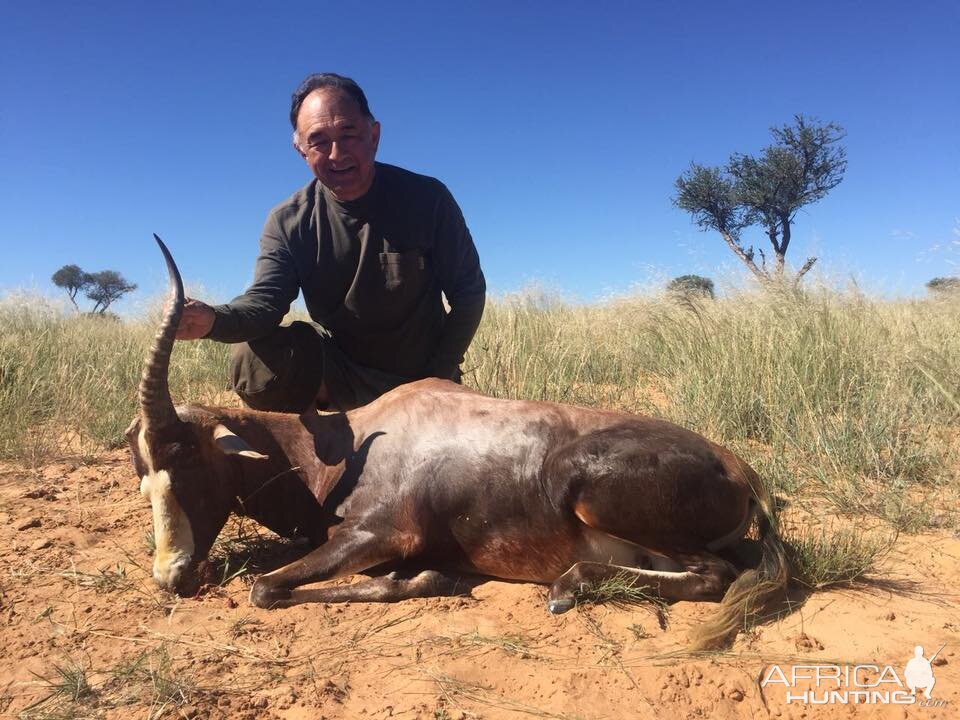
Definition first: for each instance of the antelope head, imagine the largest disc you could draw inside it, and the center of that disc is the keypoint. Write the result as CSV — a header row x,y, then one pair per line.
x,y
183,458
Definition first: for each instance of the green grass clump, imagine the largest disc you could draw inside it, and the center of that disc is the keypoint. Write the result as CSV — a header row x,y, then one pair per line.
x,y
67,687
149,678
825,557
623,588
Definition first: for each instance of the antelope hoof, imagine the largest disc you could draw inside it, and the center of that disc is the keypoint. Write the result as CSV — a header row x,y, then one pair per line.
x,y
560,605
264,595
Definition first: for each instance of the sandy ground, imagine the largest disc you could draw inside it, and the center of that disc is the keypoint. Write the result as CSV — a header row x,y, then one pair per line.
x,y
75,592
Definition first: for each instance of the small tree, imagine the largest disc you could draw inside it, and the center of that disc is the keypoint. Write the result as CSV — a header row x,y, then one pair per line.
x,y
801,167
944,285
688,285
106,287
72,279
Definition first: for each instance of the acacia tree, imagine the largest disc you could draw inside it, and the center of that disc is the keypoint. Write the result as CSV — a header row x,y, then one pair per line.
x,y
802,166
944,285
105,287
687,285
72,279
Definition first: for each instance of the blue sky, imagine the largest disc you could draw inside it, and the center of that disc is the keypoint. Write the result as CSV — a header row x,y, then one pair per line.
x,y
560,127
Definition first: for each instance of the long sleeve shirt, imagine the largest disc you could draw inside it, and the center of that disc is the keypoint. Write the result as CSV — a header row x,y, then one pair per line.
x,y
371,271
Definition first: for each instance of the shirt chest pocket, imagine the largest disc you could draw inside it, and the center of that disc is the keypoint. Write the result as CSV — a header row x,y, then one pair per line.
x,y
404,272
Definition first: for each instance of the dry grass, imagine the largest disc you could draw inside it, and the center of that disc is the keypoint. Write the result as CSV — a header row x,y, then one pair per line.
x,y
828,394
514,643
832,394
68,382
147,680
847,405
456,692
622,589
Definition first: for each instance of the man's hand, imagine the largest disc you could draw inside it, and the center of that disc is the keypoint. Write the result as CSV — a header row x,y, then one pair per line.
x,y
196,321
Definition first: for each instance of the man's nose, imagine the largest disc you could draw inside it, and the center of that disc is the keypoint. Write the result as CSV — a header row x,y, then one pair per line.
x,y
334,151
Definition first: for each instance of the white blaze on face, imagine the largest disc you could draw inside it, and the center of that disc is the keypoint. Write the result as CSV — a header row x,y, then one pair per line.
x,y
173,536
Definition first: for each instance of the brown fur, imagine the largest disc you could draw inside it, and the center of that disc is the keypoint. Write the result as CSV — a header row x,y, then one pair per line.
x,y
435,476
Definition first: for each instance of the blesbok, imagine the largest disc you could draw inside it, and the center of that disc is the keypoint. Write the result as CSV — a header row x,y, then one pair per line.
x,y
437,480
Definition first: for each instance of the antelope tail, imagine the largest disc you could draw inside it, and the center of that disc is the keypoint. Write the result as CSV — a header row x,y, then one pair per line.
x,y
752,592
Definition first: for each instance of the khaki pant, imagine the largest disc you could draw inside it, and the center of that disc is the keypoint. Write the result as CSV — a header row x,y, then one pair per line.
x,y
283,372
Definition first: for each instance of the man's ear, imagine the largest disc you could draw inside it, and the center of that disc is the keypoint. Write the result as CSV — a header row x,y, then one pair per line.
x,y
375,135
230,443
296,145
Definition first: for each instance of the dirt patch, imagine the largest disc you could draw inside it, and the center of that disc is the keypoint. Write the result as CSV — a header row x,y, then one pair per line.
x,y
85,628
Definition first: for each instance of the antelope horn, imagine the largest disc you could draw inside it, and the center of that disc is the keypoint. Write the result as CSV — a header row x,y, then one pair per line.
x,y
155,404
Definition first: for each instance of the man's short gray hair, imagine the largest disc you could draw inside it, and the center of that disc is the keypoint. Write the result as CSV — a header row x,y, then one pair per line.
x,y
317,81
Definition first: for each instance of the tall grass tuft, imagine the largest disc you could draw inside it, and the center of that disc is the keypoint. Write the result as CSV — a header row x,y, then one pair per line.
x,y
68,382
827,556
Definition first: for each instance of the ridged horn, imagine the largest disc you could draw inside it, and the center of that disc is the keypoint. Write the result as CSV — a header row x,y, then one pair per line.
x,y
156,406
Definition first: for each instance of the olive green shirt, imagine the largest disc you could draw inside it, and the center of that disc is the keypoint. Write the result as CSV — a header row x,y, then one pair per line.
x,y
371,271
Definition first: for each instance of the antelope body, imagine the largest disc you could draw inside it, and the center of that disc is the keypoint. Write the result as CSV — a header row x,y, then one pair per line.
x,y
436,480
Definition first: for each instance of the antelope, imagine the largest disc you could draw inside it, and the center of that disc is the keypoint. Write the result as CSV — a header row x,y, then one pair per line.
x,y
439,482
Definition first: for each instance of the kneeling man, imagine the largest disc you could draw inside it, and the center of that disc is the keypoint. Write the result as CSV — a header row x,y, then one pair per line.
x,y
371,247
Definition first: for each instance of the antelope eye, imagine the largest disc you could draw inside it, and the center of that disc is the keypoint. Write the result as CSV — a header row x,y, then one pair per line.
x,y
179,451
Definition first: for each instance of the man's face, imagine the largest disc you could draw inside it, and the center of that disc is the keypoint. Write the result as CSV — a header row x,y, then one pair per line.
x,y
338,142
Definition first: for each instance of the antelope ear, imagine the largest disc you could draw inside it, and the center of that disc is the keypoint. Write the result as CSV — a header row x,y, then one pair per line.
x,y
232,444
133,429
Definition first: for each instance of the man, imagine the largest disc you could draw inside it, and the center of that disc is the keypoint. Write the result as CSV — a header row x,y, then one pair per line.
x,y
371,247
